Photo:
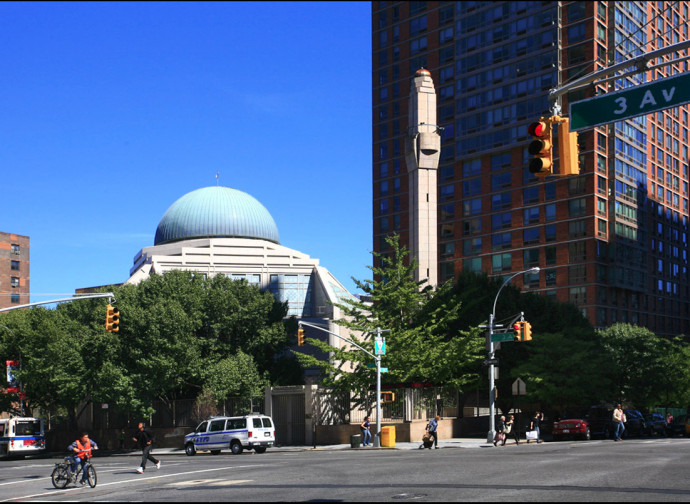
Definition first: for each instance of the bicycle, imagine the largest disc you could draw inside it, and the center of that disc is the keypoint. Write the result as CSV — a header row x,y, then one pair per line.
x,y
62,474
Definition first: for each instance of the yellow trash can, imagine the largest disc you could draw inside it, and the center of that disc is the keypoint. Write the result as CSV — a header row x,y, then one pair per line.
x,y
388,436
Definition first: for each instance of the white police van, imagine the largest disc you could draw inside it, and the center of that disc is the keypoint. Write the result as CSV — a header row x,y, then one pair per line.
x,y
251,432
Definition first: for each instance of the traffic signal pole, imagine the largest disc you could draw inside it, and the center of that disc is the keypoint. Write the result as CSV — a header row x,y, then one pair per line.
x,y
492,349
51,301
377,358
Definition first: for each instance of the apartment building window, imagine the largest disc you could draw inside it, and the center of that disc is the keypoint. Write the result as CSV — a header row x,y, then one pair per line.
x,y
383,188
500,180
577,228
549,191
471,187
576,33
578,295
501,201
447,211
601,227
530,195
550,255
417,26
14,265
473,265
447,231
472,226
418,45
531,215
15,248
447,249
500,241
447,271
550,232
14,281
550,277
530,236
472,207
531,257
14,298
576,274
532,280
384,225
577,207
472,246
501,221
501,262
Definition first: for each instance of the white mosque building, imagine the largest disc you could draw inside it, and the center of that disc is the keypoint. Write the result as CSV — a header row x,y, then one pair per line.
x,y
223,231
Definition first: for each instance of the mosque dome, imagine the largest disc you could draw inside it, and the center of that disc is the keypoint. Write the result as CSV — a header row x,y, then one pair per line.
x,y
216,212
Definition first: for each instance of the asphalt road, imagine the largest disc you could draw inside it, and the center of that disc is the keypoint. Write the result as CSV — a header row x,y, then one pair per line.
x,y
599,470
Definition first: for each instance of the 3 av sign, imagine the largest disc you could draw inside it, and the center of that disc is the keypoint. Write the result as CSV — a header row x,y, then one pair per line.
x,y
630,102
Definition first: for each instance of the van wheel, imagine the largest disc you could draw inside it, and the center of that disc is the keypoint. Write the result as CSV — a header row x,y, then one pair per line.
x,y
260,449
235,447
190,450
215,452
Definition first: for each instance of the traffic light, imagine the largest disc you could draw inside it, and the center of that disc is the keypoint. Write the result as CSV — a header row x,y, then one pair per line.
x,y
387,397
517,332
526,331
300,337
541,147
569,158
112,319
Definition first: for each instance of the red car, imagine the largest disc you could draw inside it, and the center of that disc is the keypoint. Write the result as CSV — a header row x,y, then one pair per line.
x,y
575,428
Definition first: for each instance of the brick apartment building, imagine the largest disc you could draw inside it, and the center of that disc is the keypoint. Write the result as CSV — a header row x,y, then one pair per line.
x,y
613,240
14,270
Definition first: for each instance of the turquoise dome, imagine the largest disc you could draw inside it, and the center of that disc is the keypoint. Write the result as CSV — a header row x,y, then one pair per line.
x,y
216,212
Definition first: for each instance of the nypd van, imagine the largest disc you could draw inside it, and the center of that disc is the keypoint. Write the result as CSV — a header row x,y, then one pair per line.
x,y
250,432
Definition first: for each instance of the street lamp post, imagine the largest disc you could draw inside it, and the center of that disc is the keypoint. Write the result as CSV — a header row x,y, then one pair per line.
x,y
492,387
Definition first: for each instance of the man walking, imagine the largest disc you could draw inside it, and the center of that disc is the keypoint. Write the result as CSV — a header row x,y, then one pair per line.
x,y
619,422
144,440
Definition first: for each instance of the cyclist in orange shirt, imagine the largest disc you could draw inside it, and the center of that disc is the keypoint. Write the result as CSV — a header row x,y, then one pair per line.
x,y
82,448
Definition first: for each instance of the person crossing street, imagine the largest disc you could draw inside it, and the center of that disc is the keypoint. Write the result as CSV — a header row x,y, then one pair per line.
x,y
144,440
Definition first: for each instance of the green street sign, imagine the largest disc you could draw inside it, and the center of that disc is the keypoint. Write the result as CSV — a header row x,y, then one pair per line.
x,y
630,102
502,336
373,366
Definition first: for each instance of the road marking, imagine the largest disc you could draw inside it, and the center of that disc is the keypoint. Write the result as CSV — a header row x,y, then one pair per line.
x,y
138,479
210,482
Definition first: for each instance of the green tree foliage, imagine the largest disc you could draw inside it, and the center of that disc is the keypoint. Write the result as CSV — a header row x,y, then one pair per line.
x,y
423,345
180,334
638,363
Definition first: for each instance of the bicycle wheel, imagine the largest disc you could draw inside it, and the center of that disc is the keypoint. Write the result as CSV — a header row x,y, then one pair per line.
x,y
91,475
60,477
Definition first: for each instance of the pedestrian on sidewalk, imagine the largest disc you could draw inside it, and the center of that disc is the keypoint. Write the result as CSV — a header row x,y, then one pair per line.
x,y
500,436
144,440
432,429
511,428
535,423
365,426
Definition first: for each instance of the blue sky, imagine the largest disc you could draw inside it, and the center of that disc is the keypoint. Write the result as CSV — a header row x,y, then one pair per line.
x,y
112,111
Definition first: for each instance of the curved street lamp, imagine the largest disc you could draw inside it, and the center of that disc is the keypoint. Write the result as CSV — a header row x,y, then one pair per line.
x,y
492,392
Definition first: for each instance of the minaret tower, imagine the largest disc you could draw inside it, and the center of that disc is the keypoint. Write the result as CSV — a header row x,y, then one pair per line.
x,y
422,153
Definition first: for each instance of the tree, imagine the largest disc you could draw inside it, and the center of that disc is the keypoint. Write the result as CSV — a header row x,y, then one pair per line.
x,y
422,346
637,359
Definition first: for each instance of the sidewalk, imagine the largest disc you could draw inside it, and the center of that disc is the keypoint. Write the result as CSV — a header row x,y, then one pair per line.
x,y
442,443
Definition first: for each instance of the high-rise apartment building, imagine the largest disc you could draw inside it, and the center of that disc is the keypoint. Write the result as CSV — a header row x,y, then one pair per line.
x,y
612,240
14,270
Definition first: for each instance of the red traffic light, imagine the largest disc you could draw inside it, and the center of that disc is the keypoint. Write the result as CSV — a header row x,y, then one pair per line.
x,y
537,129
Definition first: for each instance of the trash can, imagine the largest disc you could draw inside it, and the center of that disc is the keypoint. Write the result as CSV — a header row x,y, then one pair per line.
x,y
355,440
388,436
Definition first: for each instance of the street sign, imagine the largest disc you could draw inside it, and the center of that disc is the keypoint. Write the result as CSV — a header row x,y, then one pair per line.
x,y
630,102
380,346
373,366
519,387
490,362
507,336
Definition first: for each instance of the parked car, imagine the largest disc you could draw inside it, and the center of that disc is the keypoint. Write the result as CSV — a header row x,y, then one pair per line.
x,y
571,428
635,424
677,427
582,423
249,432
655,424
